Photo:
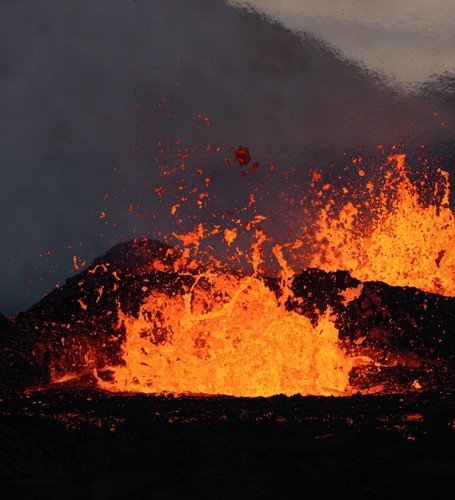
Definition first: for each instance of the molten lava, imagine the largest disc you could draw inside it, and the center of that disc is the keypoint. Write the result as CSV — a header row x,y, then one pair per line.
x,y
232,335
229,335
406,243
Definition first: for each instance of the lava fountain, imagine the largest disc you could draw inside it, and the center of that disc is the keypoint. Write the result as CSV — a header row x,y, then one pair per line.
x,y
406,242
232,335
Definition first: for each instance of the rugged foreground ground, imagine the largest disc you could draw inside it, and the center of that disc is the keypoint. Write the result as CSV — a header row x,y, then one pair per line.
x,y
78,444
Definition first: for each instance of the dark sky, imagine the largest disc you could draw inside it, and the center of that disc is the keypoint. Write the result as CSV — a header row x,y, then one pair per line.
x,y
99,98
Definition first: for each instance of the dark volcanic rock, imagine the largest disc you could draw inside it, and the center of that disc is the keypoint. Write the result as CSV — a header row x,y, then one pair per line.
x,y
132,257
388,319
85,444
23,359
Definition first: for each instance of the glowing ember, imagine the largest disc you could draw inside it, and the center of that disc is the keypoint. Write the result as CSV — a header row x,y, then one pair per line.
x,y
407,243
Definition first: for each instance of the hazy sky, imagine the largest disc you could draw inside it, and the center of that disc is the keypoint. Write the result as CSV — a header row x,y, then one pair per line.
x,y
407,40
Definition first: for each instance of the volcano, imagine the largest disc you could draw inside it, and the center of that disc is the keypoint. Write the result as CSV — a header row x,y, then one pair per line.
x,y
276,315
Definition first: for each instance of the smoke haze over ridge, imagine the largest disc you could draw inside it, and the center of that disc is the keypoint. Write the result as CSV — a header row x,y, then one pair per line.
x,y
97,95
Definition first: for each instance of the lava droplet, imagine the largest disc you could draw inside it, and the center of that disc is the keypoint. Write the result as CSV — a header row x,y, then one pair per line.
x,y
242,155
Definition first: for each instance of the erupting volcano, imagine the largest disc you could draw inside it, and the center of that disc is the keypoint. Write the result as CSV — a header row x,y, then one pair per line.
x,y
178,323
228,334
274,311
150,317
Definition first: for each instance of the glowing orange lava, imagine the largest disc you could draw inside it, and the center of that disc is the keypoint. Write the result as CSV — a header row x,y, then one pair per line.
x,y
407,243
229,335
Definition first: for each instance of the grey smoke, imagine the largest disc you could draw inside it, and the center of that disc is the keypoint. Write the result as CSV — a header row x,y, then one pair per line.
x,y
88,89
